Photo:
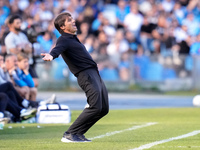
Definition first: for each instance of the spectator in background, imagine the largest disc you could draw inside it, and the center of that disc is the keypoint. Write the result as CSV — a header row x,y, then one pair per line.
x,y
140,62
133,44
88,13
89,43
54,33
45,15
102,38
195,47
84,32
133,20
124,67
184,46
18,112
11,66
168,5
14,9
2,17
118,46
4,7
101,56
23,77
146,38
16,42
193,27
45,42
60,6
180,33
108,29
179,12
97,22
4,75
121,11
3,33
159,33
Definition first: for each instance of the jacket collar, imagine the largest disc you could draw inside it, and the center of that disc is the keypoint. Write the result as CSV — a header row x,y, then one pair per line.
x,y
69,35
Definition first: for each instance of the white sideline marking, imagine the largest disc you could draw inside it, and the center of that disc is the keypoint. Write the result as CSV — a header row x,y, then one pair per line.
x,y
146,146
129,129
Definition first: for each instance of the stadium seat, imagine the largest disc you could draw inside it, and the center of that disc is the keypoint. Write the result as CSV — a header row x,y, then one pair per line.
x,y
154,72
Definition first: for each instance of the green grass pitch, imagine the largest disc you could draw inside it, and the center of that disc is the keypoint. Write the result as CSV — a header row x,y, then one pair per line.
x,y
171,122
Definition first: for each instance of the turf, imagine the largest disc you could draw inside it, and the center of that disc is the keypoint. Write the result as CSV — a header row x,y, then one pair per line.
x,y
171,122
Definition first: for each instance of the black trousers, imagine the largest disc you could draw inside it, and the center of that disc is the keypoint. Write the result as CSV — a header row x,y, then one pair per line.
x,y
7,104
11,92
97,97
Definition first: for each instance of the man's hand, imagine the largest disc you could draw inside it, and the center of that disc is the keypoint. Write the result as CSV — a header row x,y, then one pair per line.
x,y
11,70
26,71
47,57
3,66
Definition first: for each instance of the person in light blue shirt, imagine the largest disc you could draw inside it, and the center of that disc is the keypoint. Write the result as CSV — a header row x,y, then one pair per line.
x,y
97,22
121,11
192,24
195,47
45,41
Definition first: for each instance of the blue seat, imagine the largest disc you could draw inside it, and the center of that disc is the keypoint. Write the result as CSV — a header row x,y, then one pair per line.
x,y
109,74
169,73
188,63
141,62
154,72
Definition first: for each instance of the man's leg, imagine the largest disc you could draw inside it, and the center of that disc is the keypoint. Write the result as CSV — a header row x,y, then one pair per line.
x,y
9,105
14,95
33,94
97,99
105,109
3,102
11,92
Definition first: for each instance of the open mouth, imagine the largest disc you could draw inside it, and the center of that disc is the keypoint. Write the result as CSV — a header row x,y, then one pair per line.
x,y
74,26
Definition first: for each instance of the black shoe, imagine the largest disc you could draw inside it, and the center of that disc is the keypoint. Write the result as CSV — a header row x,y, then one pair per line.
x,y
68,138
33,104
83,138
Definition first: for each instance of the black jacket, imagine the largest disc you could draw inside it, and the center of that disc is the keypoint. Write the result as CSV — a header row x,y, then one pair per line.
x,y
74,53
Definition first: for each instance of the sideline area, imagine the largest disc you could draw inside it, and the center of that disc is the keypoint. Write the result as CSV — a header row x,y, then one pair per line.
x,y
77,100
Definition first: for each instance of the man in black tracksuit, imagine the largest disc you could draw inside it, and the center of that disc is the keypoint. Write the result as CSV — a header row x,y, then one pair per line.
x,y
85,69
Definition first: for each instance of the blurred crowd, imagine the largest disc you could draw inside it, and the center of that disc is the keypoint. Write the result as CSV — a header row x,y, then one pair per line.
x,y
125,37
112,30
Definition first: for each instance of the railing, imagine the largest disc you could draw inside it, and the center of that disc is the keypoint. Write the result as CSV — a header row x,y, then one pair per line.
x,y
166,73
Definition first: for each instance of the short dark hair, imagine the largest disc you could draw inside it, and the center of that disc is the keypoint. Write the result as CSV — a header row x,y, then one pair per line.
x,y
60,20
9,55
21,56
12,18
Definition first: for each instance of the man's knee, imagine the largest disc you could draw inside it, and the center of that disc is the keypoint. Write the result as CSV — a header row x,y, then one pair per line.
x,y
100,110
105,111
3,97
33,90
8,85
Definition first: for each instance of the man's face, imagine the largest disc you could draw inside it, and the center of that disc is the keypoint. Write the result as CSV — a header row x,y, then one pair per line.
x,y
70,26
17,24
23,64
11,62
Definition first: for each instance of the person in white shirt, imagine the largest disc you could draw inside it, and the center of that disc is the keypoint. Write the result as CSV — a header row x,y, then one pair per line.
x,y
133,21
